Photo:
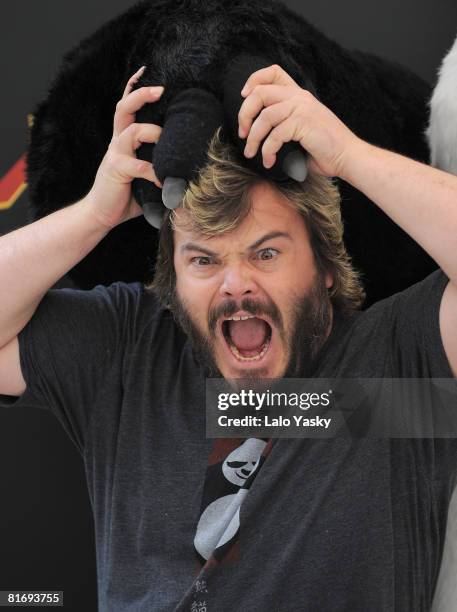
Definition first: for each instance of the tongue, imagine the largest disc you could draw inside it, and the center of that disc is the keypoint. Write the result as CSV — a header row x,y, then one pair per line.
x,y
248,335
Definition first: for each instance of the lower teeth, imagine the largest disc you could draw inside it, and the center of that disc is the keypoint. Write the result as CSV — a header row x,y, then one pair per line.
x,y
238,355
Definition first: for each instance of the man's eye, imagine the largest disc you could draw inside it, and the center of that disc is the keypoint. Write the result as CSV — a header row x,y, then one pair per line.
x,y
201,260
267,254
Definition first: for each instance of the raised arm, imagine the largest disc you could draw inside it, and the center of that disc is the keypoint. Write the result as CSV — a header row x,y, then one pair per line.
x,y
423,201
33,258
420,199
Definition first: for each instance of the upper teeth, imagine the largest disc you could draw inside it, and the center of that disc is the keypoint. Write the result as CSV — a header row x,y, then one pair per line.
x,y
243,318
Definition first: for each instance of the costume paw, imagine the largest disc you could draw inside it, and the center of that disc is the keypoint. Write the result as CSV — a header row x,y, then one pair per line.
x,y
190,121
290,159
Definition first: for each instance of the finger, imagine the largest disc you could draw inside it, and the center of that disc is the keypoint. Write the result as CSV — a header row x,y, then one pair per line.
x,y
269,118
134,135
152,176
272,74
133,79
132,138
284,132
261,96
128,106
126,168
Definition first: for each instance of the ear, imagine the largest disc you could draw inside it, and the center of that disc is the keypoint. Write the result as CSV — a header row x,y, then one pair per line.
x,y
329,280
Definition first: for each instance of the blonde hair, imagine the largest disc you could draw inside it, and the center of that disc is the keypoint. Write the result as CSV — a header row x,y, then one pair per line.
x,y
218,200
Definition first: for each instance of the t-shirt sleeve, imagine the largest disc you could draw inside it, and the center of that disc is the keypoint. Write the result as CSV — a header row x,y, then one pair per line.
x,y
72,342
418,350
419,353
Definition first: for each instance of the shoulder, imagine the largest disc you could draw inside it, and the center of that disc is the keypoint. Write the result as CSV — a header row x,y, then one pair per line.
x,y
418,303
142,311
409,324
128,309
397,336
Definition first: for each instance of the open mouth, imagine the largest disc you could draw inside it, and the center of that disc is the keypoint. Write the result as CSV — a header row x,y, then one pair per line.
x,y
247,336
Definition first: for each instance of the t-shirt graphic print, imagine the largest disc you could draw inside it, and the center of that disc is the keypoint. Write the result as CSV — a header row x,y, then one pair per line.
x,y
233,465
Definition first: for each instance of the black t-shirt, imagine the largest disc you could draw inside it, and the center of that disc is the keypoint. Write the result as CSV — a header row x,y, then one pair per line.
x,y
328,524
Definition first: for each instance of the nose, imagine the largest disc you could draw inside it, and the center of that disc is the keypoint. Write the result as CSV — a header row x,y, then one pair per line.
x,y
238,282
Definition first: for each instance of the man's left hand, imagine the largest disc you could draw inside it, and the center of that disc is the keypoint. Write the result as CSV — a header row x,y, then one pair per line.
x,y
290,113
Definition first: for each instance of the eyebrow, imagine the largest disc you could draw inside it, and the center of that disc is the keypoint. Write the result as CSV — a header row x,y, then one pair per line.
x,y
269,236
192,246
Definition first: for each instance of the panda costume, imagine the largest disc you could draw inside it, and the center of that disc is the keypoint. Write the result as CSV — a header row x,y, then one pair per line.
x,y
188,46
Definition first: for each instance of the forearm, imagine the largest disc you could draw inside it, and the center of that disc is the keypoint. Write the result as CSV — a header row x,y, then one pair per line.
x,y
33,258
420,199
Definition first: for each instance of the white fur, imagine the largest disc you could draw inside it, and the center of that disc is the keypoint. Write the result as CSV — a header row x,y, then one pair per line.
x,y
442,129
442,139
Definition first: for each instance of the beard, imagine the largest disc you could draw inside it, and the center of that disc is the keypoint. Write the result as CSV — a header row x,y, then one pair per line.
x,y
310,315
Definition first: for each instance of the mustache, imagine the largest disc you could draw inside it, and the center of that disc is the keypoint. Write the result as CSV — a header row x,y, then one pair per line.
x,y
254,307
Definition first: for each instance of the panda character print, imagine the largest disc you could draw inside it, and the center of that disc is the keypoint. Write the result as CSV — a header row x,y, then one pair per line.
x,y
231,471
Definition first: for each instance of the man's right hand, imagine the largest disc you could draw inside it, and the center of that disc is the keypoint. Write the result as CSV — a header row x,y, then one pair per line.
x,y
110,198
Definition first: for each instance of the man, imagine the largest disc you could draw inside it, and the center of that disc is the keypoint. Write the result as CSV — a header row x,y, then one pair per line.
x,y
256,285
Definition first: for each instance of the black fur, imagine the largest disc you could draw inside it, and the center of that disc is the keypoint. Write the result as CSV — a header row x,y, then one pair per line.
x,y
188,43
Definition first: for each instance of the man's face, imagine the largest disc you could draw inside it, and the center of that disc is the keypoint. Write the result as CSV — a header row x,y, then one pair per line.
x,y
251,300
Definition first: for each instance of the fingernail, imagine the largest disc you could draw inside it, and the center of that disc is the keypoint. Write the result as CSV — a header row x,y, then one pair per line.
x,y
156,91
